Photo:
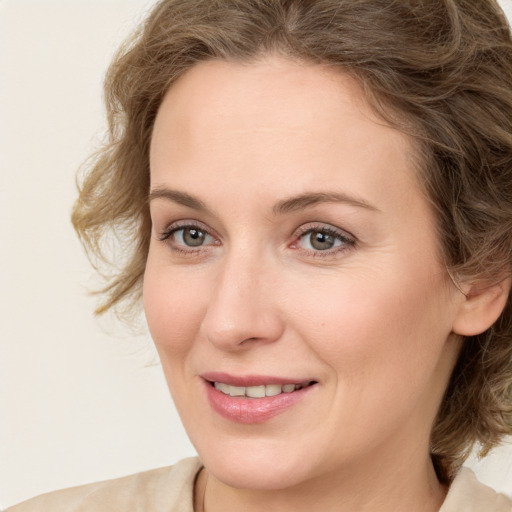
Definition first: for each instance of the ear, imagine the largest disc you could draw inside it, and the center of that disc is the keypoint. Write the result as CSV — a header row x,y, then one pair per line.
x,y
481,307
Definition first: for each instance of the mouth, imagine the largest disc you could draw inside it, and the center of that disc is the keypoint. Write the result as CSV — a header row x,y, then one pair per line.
x,y
254,399
260,391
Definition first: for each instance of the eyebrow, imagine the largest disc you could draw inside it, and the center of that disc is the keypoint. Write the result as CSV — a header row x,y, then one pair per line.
x,y
178,197
306,200
285,206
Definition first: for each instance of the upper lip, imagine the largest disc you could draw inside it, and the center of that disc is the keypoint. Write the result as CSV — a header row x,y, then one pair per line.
x,y
251,380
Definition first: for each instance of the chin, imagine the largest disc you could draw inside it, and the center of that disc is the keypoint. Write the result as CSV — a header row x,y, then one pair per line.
x,y
254,473
255,464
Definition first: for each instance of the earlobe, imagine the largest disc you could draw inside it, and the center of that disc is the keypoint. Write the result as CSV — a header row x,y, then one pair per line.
x,y
481,307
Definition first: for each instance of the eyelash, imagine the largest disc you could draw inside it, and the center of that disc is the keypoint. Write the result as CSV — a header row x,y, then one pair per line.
x,y
346,240
167,235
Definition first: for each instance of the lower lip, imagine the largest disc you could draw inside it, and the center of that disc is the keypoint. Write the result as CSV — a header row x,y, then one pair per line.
x,y
252,410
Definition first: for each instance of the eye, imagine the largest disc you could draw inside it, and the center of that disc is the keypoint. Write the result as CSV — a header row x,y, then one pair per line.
x,y
187,237
191,237
325,239
319,241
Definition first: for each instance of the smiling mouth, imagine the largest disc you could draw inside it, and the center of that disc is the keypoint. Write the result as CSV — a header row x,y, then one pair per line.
x,y
254,399
259,391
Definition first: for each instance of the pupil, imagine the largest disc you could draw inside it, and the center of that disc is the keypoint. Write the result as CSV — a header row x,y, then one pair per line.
x,y
321,241
193,237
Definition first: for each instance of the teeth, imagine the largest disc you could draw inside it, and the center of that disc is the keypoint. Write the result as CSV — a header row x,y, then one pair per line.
x,y
222,387
257,391
236,391
273,389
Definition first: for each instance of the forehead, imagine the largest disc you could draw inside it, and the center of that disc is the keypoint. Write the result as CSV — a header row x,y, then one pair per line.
x,y
269,92
221,86
278,120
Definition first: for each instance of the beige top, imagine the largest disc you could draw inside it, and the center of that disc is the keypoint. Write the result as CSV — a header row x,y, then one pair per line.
x,y
171,489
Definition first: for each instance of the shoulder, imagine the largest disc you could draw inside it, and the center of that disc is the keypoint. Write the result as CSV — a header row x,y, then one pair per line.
x,y
169,488
468,494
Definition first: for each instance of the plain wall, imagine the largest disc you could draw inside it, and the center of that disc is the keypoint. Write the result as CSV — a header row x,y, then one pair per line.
x,y
80,399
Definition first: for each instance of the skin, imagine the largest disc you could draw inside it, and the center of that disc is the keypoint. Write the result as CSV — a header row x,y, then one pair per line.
x,y
371,320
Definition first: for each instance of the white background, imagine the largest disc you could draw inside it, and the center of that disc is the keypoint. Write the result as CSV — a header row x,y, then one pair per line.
x,y
80,399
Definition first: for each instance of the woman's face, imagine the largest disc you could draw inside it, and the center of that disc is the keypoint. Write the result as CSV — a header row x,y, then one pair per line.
x,y
292,248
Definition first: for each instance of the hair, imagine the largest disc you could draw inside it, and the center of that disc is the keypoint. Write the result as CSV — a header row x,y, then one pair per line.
x,y
440,70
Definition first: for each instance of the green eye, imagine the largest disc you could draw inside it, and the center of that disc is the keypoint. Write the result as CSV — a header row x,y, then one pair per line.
x,y
188,237
321,241
324,239
191,237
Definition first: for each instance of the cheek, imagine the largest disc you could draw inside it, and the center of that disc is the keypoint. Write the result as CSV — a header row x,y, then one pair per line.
x,y
383,341
390,327
173,308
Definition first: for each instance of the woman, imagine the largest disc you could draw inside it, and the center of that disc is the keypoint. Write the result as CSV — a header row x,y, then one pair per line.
x,y
319,200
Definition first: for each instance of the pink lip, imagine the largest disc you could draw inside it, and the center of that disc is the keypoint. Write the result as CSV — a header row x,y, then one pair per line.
x,y
250,410
250,380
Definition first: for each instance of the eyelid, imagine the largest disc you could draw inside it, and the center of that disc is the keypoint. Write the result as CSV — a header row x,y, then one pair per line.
x,y
322,226
183,224
348,240
166,236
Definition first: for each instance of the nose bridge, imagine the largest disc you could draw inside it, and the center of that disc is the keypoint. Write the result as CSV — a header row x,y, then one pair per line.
x,y
241,306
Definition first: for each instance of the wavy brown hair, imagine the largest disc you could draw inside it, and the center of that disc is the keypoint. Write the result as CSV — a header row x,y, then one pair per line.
x,y
440,70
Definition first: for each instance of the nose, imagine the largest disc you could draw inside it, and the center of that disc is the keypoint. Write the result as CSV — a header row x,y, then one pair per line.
x,y
242,310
